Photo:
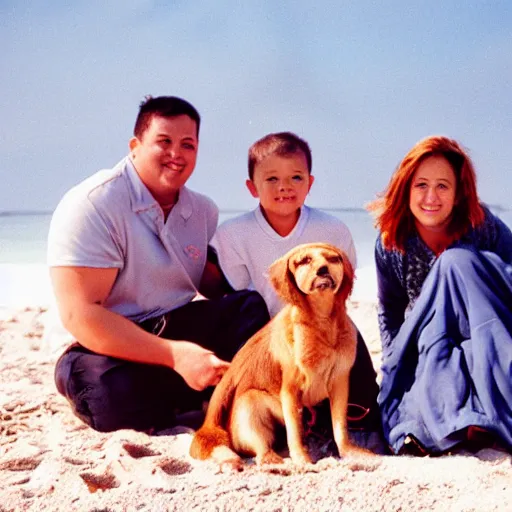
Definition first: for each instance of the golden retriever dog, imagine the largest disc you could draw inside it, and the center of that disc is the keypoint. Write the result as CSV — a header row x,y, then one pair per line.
x,y
302,356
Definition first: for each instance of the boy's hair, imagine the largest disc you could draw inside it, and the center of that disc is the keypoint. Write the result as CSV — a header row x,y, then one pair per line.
x,y
393,215
280,144
163,106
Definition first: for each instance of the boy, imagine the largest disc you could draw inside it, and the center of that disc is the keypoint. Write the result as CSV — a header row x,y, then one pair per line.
x,y
280,176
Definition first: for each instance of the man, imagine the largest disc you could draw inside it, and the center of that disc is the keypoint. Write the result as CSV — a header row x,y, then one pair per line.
x,y
127,251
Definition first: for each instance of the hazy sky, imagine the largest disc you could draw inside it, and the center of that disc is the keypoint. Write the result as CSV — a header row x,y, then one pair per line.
x,y
361,81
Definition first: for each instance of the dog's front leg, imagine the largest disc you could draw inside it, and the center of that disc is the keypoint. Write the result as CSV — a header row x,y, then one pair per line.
x,y
338,396
292,413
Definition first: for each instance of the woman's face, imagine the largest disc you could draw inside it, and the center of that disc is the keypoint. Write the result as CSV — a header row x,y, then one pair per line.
x,y
433,193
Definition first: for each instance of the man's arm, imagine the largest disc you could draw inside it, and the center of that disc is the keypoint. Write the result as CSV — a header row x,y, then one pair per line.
x,y
80,294
224,251
213,282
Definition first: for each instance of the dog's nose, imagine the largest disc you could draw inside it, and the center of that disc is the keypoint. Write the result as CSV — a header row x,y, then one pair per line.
x,y
322,271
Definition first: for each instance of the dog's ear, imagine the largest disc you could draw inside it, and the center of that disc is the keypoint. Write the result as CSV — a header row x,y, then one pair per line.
x,y
348,278
283,280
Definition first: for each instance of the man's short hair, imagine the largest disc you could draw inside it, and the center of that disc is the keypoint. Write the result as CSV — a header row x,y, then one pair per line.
x,y
280,144
163,106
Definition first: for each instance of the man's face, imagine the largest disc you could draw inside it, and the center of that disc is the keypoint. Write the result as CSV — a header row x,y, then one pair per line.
x,y
165,156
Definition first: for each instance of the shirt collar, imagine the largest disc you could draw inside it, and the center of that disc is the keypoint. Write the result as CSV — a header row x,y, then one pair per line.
x,y
142,200
262,221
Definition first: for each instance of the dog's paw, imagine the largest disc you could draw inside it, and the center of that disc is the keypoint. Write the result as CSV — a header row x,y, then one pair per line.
x,y
270,457
301,457
227,459
231,465
353,451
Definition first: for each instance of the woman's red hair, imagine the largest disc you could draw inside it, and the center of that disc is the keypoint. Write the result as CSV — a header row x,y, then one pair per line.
x,y
393,216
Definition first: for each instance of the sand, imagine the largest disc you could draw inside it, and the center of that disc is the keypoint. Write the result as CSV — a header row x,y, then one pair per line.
x,y
49,460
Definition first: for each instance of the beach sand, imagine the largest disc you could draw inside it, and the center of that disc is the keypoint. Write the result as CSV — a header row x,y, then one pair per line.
x,y
49,460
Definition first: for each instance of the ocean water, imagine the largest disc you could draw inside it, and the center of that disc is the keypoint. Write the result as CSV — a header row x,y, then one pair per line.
x,y
23,236
24,279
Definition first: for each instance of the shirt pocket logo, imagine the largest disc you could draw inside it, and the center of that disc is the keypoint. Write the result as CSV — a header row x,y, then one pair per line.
x,y
193,252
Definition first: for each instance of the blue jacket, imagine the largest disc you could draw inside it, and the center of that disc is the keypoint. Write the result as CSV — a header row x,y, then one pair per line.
x,y
397,288
447,351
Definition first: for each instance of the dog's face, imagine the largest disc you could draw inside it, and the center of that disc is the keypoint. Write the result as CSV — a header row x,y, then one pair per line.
x,y
316,269
312,268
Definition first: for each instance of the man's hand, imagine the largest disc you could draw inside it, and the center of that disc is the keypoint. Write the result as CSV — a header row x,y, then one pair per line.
x,y
199,367
80,293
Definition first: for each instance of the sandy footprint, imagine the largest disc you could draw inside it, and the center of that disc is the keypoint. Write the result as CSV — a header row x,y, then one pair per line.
x,y
138,451
100,481
175,467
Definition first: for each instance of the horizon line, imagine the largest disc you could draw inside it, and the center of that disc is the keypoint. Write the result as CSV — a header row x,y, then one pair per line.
x,y
8,213
12,213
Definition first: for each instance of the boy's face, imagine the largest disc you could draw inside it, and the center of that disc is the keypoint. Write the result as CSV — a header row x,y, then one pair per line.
x,y
281,183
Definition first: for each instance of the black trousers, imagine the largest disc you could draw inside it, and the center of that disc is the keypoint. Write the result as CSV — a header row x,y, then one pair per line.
x,y
111,394
363,411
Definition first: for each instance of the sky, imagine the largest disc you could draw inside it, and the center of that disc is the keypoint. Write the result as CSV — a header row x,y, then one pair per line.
x,y
361,81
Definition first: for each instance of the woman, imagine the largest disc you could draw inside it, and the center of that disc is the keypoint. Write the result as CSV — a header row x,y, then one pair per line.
x,y
445,304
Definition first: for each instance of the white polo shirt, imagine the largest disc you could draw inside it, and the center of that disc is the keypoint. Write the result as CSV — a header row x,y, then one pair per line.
x,y
247,245
111,220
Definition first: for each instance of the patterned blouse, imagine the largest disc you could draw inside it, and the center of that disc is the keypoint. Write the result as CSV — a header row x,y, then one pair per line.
x,y
401,276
